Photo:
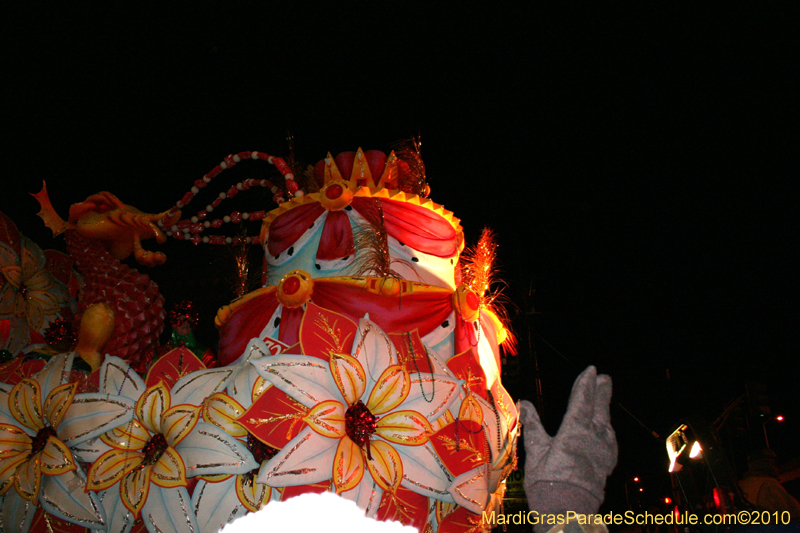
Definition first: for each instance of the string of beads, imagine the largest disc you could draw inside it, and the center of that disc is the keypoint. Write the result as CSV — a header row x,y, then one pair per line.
x,y
190,228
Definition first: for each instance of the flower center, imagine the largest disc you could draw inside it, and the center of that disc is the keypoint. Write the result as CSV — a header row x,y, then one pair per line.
x,y
154,449
23,290
359,424
261,452
40,440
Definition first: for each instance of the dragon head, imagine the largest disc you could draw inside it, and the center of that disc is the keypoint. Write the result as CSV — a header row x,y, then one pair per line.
x,y
103,217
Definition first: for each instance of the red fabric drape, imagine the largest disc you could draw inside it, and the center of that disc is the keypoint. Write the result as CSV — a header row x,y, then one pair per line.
x,y
424,311
418,227
290,226
337,237
246,322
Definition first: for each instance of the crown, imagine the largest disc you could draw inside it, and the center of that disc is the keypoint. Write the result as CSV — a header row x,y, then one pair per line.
x,y
371,174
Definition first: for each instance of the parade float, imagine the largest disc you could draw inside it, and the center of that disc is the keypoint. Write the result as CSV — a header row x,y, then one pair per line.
x,y
368,363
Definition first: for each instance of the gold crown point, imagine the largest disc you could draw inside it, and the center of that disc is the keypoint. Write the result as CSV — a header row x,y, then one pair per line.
x,y
361,175
331,170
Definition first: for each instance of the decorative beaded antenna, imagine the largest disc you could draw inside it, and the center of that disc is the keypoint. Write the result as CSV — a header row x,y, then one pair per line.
x,y
190,228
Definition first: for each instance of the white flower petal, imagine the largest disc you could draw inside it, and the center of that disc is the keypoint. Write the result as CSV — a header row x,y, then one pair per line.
x,y
366,494
16,513
471,489
431,394
92,414
424,472
306,379
55,373
240,387
374,350
169,511
306,459
5,415
33,258
195,387
209,450
216,504
120,520
8,256
89,451
64,497
117,378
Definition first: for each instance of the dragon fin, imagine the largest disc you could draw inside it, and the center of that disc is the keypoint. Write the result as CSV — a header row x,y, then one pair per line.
x,y
51,219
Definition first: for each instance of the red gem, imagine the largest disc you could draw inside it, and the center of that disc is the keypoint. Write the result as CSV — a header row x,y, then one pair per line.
x,y
200,183
236,216
292,186
187,197
216,202
257,215
291,285
230,161
472,300
216,223
233,191
334,191
201,215
196,239
216,239
40,440
359,423
261,452
154,449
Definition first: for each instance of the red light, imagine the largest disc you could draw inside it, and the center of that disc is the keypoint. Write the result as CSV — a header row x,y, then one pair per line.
x,y
641,490
677,513
717,498
636,479
779,418
667,500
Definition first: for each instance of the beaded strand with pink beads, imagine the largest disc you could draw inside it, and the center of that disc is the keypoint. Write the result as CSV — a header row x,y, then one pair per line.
x,y
190,228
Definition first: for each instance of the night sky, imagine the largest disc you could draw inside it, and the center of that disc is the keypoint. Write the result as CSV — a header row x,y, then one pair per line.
x,y
639,164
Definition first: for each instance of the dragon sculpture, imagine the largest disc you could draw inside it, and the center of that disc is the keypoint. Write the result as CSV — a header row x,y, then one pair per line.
x,y
121,311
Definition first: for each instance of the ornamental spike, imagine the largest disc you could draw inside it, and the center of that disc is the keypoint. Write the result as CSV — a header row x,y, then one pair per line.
x,y
361,175
390,172
331,170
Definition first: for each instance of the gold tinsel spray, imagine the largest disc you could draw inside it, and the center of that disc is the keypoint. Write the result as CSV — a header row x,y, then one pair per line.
x,y
479,273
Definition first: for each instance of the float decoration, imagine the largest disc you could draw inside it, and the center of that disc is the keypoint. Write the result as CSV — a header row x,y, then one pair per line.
x,y
30,297
364,366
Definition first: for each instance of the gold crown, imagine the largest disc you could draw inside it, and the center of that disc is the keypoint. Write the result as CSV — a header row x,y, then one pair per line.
x,y
336,193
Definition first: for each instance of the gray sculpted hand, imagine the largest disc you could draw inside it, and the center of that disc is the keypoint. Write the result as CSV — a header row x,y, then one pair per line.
x,y
568,472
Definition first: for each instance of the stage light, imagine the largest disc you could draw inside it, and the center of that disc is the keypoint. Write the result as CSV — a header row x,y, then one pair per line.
x,y
696,450
682,446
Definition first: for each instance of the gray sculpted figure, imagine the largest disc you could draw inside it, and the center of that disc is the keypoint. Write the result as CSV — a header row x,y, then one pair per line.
x,y
567,472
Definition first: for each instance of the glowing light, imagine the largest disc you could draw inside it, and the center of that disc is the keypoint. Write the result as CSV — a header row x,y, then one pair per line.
x,y
675,445
696,450
667,500
779,418
636,479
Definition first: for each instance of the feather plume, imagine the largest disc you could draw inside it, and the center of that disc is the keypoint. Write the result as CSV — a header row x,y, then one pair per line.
x,y
478,266
372,245
412,176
